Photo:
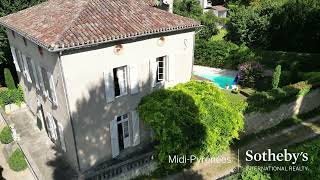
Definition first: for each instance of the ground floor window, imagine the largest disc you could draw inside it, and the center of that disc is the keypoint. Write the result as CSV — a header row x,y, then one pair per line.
x,y
123,131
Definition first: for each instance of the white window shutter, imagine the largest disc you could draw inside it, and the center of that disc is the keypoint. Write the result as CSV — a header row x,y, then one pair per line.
x,y
153,72
109,86
135,128
26,69
114,138
134,79
41,79
53,89
52,127
15,59
61,136
171,67
35,74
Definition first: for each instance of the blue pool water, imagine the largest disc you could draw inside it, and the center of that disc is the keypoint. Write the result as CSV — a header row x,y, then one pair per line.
x,y
219,80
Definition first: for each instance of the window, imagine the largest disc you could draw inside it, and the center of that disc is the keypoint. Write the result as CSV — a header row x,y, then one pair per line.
x,y
25,41
160,69
13,34
46,82
19,58
120,81
31,70
123,131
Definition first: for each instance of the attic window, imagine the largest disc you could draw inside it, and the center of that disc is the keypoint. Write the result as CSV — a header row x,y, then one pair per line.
x,y
40,50
25,41
13,33
118,49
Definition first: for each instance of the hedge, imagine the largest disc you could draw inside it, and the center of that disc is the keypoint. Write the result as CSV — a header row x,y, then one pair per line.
x,y
5,135
9,79
194,118
276,77
266,101
221,54
17,161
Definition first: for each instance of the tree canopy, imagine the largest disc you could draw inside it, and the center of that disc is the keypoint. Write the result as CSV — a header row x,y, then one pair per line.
x,y
194,118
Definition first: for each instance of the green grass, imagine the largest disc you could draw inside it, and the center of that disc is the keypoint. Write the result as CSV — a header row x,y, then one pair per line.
x,y
220,35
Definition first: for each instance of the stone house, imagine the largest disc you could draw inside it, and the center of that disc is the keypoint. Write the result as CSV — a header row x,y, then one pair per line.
x,y
84,65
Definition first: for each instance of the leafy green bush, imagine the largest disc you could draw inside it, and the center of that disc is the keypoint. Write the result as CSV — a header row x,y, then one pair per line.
x,y
252,173
9,79
5,135
276,77
250,73
269,100
187,8
194,118
246,25
221,54
312,148
17,161
9,96
312,78
208,20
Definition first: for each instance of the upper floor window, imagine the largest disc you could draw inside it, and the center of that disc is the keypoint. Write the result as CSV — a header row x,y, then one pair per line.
x,y
49,85
160,69
120,81
25,41
13,34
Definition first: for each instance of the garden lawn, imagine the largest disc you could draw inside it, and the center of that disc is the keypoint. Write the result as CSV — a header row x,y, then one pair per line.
x,y
220,35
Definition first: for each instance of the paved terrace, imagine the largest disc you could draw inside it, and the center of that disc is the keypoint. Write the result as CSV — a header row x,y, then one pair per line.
x,y
45,161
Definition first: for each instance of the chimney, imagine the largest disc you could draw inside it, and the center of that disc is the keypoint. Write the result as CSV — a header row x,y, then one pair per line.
x,y
167,4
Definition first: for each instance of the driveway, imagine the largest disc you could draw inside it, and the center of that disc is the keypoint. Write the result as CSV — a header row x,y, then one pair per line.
x,y
46,162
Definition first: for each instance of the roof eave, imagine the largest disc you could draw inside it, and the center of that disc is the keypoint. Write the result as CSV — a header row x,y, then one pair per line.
x,y
120,39
25,35
60,49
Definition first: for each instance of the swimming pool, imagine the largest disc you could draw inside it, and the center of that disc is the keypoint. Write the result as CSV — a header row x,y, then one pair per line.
x,y
219,80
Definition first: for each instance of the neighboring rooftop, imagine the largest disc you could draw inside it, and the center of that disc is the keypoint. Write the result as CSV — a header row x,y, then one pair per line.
x,y
63,24
219,8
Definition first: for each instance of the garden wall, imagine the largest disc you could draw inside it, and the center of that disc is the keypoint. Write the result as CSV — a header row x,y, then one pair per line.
x,y
257,121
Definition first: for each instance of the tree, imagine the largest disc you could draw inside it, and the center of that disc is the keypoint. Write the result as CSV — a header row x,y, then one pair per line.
x,y
194,118
9,79
296,26
247,26
250,73
276,77
187,8
208,20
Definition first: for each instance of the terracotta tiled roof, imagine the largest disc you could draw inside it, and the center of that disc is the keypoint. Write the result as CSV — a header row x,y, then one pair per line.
x,y
219,8
64,24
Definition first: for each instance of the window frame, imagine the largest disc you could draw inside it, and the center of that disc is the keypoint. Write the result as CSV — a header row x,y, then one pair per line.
x,y
164,68
125,78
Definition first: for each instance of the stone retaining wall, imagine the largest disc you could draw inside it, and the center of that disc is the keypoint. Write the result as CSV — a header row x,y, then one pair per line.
x,y
257,121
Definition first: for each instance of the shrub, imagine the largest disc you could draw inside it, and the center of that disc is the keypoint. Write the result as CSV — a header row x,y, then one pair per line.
x,y
269,100
9,96
187,8
194,118
9,79
17,161
5,135
250,73
208,20
221,54
247,26
312,78
276,77
252,173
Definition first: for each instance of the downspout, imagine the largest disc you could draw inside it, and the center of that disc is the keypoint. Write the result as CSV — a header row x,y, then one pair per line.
x,y
68,109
